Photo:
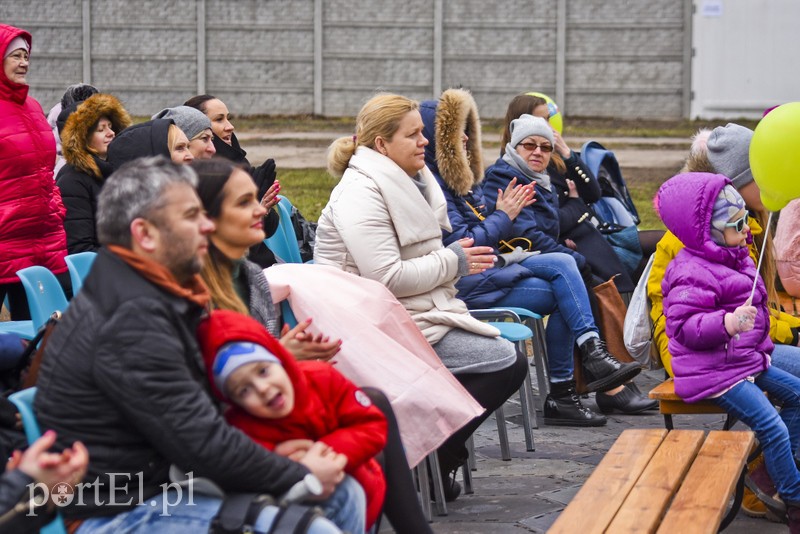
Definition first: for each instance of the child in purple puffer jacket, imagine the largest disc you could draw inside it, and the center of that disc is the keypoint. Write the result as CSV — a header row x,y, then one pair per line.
x,y
718,338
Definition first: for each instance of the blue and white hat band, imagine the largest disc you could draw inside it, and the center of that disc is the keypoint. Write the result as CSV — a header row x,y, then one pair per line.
x,y
233,355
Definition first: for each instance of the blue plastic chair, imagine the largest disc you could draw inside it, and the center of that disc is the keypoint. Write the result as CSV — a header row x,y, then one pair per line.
x,y
23,400
44,293
23,329
283,243
79,266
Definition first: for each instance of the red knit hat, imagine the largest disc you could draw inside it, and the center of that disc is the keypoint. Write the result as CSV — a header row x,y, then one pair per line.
x,y
225,326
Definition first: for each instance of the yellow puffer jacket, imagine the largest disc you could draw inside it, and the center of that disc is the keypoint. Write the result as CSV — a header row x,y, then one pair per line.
x,y
781,324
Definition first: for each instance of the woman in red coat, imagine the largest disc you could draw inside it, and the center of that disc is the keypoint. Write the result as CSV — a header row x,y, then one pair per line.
x,y
31,211
287,405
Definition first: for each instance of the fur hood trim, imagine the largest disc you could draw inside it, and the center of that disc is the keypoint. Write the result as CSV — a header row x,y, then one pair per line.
x,y
461,170
75,136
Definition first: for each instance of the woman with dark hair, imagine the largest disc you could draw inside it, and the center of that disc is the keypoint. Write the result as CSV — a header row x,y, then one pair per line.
x,y
265,177
229,196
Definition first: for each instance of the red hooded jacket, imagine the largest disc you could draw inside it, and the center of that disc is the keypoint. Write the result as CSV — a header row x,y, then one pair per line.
x,y
328,407
31,211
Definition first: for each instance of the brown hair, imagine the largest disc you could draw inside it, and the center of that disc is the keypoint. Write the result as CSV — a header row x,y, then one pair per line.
x,y
520,105
380,117
217,272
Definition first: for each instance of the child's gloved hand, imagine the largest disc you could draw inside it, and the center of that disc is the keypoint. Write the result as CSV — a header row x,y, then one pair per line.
x,y
741,320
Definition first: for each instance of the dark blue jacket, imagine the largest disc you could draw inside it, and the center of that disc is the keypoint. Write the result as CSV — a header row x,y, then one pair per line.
x,y
539,222
478,290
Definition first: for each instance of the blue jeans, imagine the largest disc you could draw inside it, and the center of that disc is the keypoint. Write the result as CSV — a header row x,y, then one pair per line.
x,y
778,434
787,358
345,510
557,289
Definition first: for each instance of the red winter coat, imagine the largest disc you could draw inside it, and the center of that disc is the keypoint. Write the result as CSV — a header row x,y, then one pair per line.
x,y
328,407
31,211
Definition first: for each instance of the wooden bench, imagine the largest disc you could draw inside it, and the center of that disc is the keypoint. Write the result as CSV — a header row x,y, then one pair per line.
x,y
655,480
669,404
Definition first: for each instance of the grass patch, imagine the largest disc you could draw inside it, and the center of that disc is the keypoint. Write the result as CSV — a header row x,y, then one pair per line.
x,y
309,190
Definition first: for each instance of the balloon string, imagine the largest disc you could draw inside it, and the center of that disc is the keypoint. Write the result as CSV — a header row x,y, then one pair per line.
x,y
761,256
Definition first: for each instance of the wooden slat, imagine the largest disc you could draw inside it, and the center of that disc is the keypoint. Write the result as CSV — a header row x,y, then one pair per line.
x,y
701,501
652,493
680,407
669,402
664,391
597,502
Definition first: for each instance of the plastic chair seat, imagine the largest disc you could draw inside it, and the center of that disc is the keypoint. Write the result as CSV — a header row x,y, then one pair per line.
x,y
23,329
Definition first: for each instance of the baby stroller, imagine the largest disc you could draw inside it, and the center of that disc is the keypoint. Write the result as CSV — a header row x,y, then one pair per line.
x,y
616,206
615,211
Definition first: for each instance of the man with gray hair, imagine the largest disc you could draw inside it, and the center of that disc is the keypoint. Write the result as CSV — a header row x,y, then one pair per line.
x,y
122,373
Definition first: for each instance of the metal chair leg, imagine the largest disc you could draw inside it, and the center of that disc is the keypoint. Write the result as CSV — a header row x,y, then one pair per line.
x,y
438,485
421,471
525,401
466,467
502,433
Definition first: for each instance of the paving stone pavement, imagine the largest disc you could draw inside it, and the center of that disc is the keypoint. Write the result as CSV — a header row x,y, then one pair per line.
x,y
527,493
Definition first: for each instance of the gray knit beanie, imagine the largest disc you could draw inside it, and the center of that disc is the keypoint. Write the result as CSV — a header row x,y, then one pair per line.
x,y
528,125
728,153
192,121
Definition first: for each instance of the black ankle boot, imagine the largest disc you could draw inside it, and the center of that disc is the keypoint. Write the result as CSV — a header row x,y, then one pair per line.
x,y
562,407
626,401
601,369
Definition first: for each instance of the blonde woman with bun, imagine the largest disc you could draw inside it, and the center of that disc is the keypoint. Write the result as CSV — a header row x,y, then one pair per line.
x,y
384,221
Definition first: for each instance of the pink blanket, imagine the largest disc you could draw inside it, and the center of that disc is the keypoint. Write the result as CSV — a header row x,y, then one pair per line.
x,y
382,348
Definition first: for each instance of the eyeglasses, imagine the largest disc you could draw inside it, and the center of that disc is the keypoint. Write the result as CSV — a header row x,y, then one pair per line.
x,y
739,224
531,147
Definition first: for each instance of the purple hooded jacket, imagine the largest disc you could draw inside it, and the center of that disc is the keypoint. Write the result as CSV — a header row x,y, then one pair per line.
x,y
702,284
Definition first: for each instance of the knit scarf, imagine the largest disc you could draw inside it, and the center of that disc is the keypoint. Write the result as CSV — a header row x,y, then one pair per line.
x,y
194,290
515,160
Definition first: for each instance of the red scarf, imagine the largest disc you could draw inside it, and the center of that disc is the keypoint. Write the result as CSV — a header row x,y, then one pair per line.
x,y
194,290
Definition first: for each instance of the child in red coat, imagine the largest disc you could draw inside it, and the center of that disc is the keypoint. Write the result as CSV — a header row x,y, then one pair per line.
x,y
275,399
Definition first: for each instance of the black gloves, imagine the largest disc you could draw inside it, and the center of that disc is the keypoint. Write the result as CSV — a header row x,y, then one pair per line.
x,y
264,176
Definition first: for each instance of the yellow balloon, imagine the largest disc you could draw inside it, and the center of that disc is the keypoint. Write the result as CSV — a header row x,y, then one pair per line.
x,y
775,156
556,120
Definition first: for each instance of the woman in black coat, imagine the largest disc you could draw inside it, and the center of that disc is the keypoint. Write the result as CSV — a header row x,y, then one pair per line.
x,y
265,177
87,132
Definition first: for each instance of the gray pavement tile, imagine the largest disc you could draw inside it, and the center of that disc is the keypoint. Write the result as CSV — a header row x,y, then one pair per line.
x,y
542,522
490,509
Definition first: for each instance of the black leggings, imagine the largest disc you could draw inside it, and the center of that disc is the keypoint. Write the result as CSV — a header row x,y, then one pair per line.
x,y
401,506
491,390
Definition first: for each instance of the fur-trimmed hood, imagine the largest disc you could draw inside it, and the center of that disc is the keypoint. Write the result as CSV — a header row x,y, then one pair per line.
x,y
445,120
75,136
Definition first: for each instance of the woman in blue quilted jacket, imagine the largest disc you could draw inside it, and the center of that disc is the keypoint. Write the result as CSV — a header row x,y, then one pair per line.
x,y
546,282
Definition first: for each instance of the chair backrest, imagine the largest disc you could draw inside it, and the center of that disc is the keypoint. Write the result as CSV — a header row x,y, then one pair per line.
x,y
23,400
79,266
283,243
44,293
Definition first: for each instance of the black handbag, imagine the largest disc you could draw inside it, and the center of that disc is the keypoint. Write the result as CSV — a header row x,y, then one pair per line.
x,y
239,512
